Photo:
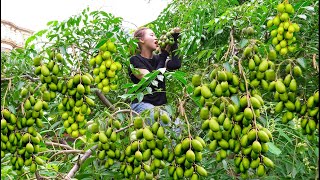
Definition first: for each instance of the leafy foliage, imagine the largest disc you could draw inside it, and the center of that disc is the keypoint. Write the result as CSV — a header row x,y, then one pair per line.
x,y
212,34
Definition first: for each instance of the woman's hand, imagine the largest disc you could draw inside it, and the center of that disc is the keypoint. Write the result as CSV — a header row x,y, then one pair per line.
x,y
176,30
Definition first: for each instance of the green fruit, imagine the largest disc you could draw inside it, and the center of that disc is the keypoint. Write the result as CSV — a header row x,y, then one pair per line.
x,y
256,147
227,124
268,162
190,156
247,51
289,8
205,92
138,156
263,66
214,125
196,145
102,137
272,55
297,71
263,136
147,134
223,144
45,71
251,65
255,102
204,113
177,149
260,170
279,107
218,91
196,80
85,80
33,168
248,114
224,86
165,118
39,161
290,106
310,102
29,148
281,8
155,127
222,76
252,135
138,122
244,140
201,171
160,132
37,61
197,91
270,75
280,87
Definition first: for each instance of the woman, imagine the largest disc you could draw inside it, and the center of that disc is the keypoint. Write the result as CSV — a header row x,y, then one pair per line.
x,y
146,62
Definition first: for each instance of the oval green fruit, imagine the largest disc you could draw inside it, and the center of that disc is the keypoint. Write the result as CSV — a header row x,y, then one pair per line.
x,y
205,92
196,80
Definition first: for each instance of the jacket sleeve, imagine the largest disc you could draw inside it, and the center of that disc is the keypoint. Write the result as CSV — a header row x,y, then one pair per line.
x,y
175,62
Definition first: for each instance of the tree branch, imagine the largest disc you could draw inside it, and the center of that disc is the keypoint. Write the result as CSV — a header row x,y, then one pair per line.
x,y
27,76
66,152
125,111
124,128
59,145
76,167
104,100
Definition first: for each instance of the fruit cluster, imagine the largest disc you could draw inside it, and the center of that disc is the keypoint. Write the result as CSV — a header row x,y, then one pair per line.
x,y
166,38
75,106
310,119
188,155
20,138
283,33
232,127
105,68
49,73
286,93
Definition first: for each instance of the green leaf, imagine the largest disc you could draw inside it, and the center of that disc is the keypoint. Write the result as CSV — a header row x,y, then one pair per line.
x,y
243,43
227,66
302,62
140,96
274,149
235,100
284,135
309,8
219,31
302,16
180,76
31,38
101,43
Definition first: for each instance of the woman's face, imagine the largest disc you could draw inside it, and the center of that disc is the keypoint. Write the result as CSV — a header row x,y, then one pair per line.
x,y
149,40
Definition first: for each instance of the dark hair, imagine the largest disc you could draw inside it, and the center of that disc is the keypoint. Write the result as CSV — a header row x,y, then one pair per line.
x,y
139,33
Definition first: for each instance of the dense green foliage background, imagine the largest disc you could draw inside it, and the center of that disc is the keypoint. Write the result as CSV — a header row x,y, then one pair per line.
x,y
207,28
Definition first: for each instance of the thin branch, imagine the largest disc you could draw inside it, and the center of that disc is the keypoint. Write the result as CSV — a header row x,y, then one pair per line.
x,y
66,152
39,177
5,94
59,145
125,111
76,167
104,100
124,128
27,76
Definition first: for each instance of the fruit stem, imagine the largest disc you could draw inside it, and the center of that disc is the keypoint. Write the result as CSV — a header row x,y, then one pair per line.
x,y
124,128
186,118
5,94
248,97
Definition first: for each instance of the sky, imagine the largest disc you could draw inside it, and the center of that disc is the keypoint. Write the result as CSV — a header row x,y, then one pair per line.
x,y
34,14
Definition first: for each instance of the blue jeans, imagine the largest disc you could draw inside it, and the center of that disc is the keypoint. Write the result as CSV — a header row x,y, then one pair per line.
x,y
143,106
